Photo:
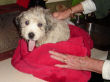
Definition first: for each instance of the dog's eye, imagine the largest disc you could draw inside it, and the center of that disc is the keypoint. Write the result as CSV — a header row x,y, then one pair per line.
x,y
39,24
27,22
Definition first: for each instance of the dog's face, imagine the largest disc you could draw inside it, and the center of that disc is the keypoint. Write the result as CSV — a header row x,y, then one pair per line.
x,y
33,23
38,26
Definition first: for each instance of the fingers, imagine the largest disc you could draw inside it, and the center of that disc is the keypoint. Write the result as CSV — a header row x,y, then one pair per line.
x,y
57,54
60,15
61,66
71,62
57,58
55,14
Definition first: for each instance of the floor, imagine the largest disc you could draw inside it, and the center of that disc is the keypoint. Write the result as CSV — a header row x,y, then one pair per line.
x,y
9,74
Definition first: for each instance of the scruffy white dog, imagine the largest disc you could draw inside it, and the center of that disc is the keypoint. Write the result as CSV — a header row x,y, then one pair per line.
x,y
38,26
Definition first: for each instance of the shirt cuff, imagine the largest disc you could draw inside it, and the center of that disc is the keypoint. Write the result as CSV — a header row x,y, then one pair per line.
x,y
88,6
106,70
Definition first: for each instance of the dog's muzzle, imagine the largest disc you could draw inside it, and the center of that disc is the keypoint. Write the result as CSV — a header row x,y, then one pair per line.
x,y
31,35
31,42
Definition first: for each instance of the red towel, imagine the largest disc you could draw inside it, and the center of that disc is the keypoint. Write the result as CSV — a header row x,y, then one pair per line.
x,y
41,65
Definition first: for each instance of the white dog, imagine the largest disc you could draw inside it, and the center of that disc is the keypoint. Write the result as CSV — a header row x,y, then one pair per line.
x,y
38,26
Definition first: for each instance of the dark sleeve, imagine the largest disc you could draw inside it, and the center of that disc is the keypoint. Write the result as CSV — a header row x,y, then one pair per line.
x,y
102,8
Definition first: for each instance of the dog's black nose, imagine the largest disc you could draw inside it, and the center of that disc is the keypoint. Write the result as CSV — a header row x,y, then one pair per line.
x,y
31,35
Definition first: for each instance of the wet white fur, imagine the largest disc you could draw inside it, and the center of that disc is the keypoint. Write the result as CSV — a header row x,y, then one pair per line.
x,y
59,30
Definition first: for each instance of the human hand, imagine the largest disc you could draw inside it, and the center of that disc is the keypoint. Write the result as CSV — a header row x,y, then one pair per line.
x,y
62,14
71,62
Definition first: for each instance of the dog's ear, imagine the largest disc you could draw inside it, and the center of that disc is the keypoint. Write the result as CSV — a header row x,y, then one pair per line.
x,y
17,23
48,18
18,19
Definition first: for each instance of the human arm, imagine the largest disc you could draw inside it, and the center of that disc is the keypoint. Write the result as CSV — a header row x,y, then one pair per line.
x,y
86,7
78,63
83,63
66,13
